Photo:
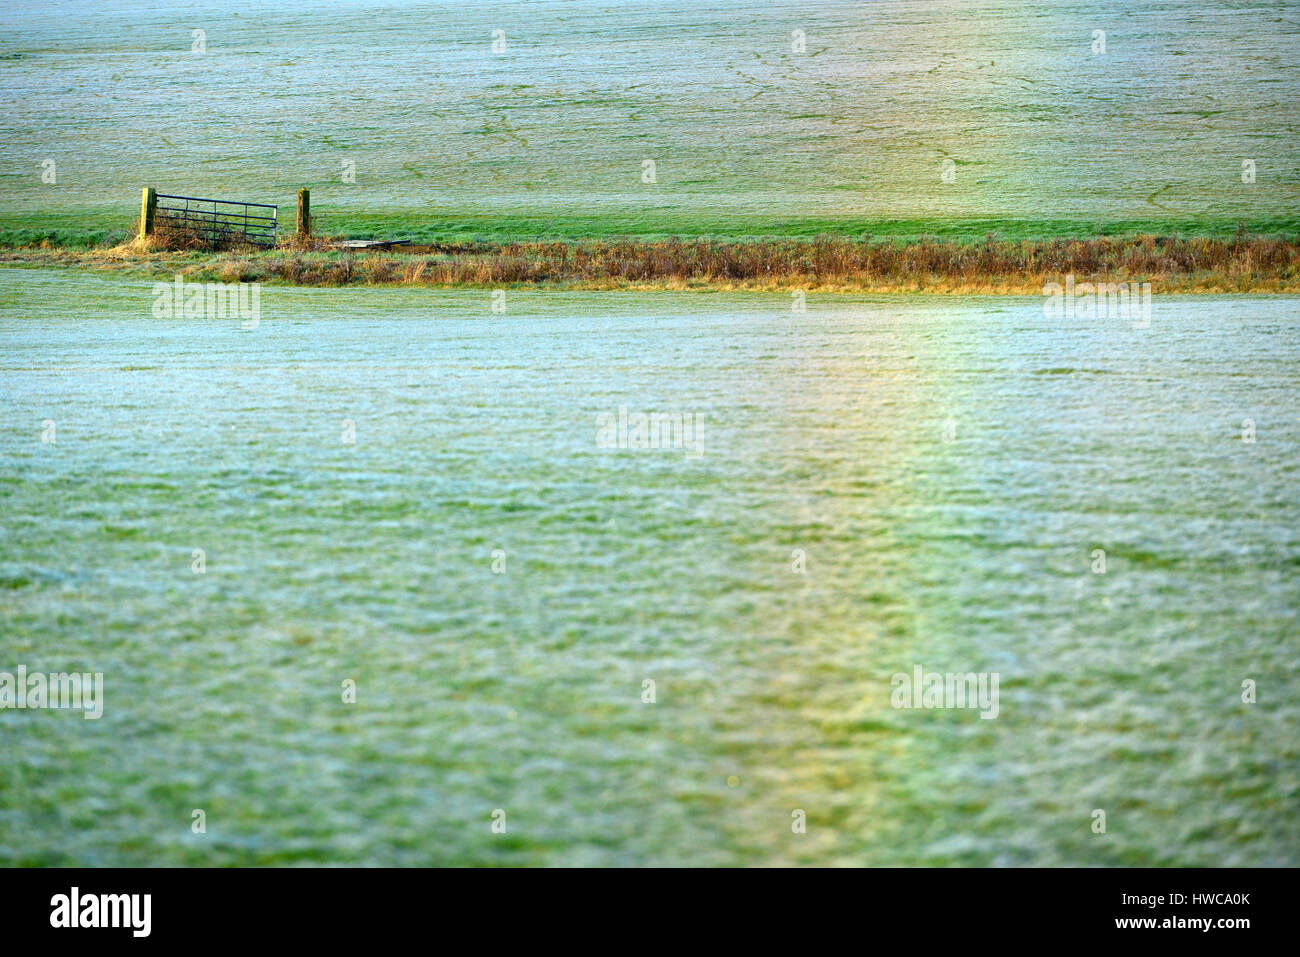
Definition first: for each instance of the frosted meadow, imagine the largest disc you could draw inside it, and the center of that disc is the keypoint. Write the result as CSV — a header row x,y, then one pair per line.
x,y
538,575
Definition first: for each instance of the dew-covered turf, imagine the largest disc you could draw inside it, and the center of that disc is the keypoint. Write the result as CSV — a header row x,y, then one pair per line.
x,y
946,467
446,138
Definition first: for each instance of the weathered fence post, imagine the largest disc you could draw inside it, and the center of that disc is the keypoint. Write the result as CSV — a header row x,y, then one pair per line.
x,y
304,212
148,206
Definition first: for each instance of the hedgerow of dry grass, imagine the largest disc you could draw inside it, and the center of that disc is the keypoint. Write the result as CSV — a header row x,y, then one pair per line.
x,y
1241,263
827,261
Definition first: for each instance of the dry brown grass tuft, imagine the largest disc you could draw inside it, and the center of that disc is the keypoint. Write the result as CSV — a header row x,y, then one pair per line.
x,y
174,235
312,242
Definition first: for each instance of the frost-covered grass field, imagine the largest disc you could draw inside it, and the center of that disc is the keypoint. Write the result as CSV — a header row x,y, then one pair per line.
x,y
445,138
363,572
946,466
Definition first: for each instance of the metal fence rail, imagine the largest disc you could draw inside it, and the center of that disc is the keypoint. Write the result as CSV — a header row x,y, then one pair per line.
x,y
219,220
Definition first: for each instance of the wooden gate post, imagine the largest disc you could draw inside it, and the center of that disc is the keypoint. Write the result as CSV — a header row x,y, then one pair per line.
x,y
148,206
304,212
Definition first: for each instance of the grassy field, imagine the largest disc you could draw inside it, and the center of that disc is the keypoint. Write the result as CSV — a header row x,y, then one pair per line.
x,y
884,482
91,230
892,119
946,464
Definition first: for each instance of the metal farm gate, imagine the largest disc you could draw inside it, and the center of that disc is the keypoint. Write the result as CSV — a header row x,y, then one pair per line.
x,y
219,220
